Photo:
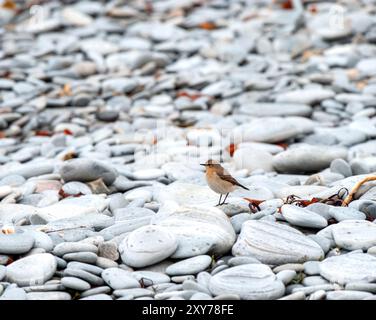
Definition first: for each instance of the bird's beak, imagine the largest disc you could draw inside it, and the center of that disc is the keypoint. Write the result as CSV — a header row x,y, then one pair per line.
x,y
203,164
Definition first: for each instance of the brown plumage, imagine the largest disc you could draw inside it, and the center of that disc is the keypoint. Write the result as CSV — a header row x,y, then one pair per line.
x,y
219,180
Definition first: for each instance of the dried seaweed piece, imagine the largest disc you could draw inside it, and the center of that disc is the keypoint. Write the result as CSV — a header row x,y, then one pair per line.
x,y
354,190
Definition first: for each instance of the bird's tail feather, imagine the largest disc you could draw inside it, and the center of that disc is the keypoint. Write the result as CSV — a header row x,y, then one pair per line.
x,y
240,185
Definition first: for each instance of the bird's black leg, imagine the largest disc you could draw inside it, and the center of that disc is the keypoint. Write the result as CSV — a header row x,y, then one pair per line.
x,y
219,203
225,198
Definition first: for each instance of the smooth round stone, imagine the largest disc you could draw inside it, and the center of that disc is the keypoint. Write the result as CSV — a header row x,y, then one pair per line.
x,y
86,267
250,282
174,295
275,243
318,295
275,109
372,251
349,268
61,263
305,96
313,281
106,263
368,207
86,170
135,214
347,295
13,293
302,217
124,227
297,267
354,234
147,245
359,167
85,257
148,174
272,129
76,188
361,286
341,166
232,209
51,295
98,297
135,293
181,279
346,213
29,170
367,66
151,277
52,285
198,230
41,240
307,158
119,279
268,147
187,194
16,243
75,283
12,180
312,267
237,261
12,213
119,85
76,211
219,269
84,275
140,193
94,291
108,115
286,276
70,247
32,270
253,159
189,266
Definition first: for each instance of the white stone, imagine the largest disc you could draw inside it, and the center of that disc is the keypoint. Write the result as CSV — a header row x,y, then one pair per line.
x,y
192,265
305,96
302,217
32,270
354,234
147,245
349,267
250,282
252,159
307,158
275,243
275,109
199,230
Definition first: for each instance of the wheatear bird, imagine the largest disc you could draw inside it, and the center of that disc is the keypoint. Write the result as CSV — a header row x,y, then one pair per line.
x,y
219,180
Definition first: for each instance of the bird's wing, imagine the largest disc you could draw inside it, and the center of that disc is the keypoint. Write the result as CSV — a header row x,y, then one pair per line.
x,y
227,177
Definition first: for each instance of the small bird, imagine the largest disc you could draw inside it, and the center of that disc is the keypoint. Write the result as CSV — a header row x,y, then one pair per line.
x,y
219,180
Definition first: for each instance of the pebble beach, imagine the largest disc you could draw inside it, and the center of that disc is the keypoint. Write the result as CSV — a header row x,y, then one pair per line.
x,y
107,110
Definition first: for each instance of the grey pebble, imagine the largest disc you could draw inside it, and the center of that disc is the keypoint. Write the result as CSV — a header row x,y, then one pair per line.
x,y
85,257
95,291
286,276
84,275
75,283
